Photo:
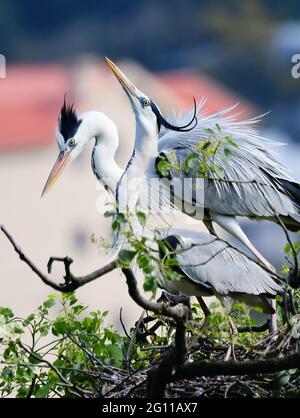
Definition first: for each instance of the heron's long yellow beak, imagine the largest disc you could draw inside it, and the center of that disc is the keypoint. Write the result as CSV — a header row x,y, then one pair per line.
x,y
61,162
127,85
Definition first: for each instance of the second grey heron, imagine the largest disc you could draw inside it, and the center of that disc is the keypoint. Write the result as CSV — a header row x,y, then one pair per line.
x,y
254,184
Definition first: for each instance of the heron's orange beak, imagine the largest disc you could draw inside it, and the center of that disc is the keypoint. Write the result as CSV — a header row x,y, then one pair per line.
x,y
127,85
61,162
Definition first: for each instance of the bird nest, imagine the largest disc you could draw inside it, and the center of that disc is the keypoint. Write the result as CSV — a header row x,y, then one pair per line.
x,y
276,346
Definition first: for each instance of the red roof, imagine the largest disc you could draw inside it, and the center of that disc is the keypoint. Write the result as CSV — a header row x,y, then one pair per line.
x,y
30,99
187,84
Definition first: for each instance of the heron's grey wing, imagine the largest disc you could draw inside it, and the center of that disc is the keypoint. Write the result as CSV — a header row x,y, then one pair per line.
x,y
213,263
253,181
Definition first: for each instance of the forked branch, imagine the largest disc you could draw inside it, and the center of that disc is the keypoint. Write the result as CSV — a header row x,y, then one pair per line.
x,y
70,282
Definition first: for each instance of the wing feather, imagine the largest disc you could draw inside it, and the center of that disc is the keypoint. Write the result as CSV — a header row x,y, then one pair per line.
x,y
252,176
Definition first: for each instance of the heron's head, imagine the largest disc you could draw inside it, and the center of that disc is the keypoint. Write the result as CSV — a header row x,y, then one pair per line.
x,y
74,132
69,140
144,108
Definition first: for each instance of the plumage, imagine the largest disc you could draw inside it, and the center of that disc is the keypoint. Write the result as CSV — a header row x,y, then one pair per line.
x,y
211,266
254,183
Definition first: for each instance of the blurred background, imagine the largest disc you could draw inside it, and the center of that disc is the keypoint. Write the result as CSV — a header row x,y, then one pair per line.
x,y
227,51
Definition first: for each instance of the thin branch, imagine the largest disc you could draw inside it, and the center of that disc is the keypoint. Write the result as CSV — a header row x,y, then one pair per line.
x,y
122,323
206,368
71,282
71,385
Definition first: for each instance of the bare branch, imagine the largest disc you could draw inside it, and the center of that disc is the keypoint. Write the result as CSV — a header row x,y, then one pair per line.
x,y
71,282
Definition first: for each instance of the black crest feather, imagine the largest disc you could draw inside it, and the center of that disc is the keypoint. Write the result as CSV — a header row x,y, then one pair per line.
x,y
68,121
162,121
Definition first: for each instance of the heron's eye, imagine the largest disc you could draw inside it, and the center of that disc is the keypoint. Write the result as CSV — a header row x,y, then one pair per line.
x,y
145,102
72,142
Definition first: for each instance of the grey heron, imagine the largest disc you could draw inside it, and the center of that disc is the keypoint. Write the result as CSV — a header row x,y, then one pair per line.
x,y
208,266
211,267
254,183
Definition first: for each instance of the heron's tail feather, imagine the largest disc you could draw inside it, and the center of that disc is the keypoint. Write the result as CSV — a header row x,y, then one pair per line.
x,y
291,188
291,222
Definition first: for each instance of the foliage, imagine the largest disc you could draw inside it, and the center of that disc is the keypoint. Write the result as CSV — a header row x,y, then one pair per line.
x,y
206,158
44,357
151,253
61,350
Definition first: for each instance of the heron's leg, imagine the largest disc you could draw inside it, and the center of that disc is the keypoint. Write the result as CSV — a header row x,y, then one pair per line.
x,y
203,306
273,323
232,326
230,224
233,333
205,310
227,304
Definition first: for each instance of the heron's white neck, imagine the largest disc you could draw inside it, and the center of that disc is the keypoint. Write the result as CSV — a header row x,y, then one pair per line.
x,y
99,126
146,139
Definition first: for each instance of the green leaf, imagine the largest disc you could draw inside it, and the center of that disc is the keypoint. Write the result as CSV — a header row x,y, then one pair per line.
x,y
148,269
287,248
22,392
7,372
49,303
115,225
28,320
218,127
143,260
121,218
173,275
285,269
6,312
162,247
17,329
116,352
59,327
141,218
109,214
164,167
59,363
126,256
43,391
36,359
205,145
218,170
227,153
172,262
208,131
230,141
150,284
44,329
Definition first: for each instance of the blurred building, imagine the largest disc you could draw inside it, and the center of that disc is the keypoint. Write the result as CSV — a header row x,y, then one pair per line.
x,y
62,223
